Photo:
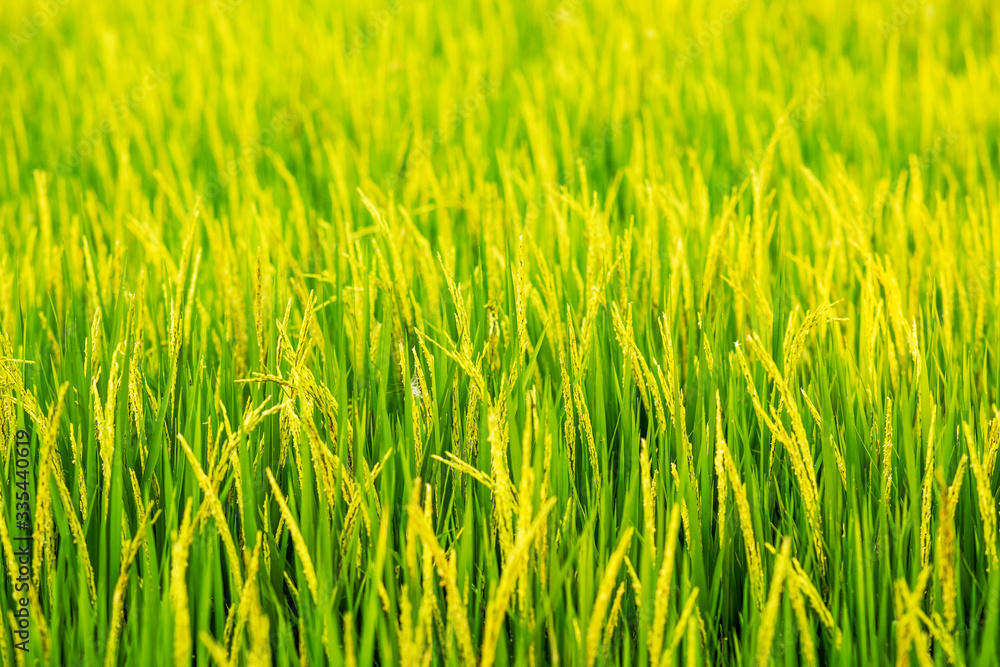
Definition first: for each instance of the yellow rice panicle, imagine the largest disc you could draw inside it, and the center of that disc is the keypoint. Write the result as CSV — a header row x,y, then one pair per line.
x,y
472,424
944,553
802,461
668,395
216,651
350,658
798,428
5,655
76,528
604,592
44,534
678,399
682,625
426,392
525,493
661,599
774,425
428,611
588,433
243,607
178,588
909,632
409,650
812,408
925,496
754,563
504,500
805,586
259,629
496,609
720,470
887,452
994,444
217,510
805,632
841,467
297,539
461,466
118,597
987,509
609,629
769,619
648,499
709,357
796,345
446,567
456,420
520,300
936,627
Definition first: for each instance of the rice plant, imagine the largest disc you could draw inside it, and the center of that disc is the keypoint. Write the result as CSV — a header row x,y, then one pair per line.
x,y
482,333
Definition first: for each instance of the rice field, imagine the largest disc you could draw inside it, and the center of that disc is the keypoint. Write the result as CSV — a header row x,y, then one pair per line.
x,y
499,332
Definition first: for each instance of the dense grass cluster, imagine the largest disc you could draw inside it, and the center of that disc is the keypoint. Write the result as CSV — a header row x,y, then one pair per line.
x,y
472,333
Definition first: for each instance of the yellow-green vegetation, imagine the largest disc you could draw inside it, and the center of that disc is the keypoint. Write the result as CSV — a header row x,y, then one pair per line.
x,y
500,332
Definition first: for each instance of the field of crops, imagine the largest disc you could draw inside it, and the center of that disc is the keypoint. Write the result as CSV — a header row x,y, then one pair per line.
x,y
495,332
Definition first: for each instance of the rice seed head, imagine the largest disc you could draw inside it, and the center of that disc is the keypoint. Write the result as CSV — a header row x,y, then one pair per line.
x,y
661,599
805,632
297,539
887,453
588,432
769,619
504,500
118,597
720,470
944,553
496,609
609,629
217,511
841,467
925,500
350,656
994,445
987,510
682,625
648,499
795,443
447,572
806,587
178,589
604,592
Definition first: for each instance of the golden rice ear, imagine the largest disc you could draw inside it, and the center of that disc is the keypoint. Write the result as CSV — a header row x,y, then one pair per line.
x,y
663,586
987,508
604,592
769,618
